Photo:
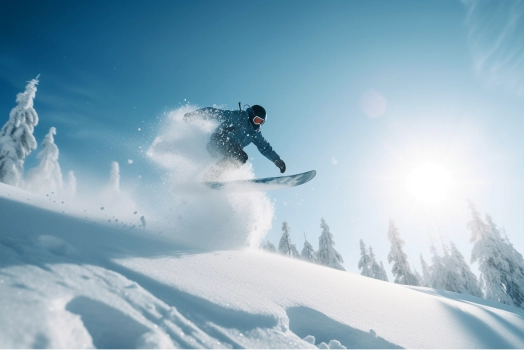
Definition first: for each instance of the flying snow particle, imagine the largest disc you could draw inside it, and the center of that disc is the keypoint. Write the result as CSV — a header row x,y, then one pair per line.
x,y
129,161
334,161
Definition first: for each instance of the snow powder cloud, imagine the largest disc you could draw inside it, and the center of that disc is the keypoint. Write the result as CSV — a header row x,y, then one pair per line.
x,y
193,213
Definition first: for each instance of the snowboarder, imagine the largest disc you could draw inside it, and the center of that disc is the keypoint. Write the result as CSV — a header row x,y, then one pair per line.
x,y
237,129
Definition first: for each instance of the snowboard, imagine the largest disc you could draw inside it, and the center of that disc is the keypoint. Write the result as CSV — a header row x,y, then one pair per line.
x,y
264,184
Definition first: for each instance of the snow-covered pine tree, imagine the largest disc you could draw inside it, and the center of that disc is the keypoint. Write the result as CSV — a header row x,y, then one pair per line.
x,y
444,272
513,280
453,280
518,262
518,259
47,176
378,270
270,247
308,253
426,275
420,279
488,252
384,273
70,184
469,283
437,271
294,251
401,269
16,137
284,246
327,255
365,263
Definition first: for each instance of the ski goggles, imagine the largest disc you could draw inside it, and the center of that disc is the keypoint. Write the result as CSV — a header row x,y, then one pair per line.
x,y
258,121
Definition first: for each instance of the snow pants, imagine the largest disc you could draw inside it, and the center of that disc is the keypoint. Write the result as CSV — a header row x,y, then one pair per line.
x,y
220,147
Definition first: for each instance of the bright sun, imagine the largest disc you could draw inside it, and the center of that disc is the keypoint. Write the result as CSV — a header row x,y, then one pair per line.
x,y
430,183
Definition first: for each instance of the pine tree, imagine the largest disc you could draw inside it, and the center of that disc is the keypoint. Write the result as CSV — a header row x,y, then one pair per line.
x,y
518,276
489,253
16,137
469,282
420,279
437,271
47,176
294,251
452,274
486,251
365,263
401,269
515,282
327,255
308,253
513,276
70,184
426,275
378,270
384,273
270,247
284,246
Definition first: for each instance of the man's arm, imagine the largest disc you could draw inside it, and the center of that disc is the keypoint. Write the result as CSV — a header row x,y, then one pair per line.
x,y
267,151
208,113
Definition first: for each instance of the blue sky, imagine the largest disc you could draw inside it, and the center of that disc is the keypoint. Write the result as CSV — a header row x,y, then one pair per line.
x,y
447,87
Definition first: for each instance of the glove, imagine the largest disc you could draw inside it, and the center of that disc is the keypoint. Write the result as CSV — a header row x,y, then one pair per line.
x,y
281,165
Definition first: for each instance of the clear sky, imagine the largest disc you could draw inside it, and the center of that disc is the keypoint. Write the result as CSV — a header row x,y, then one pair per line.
x,y
371,94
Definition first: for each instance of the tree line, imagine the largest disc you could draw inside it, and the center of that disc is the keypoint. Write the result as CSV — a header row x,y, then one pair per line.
x,y
17,142
501,266
325,255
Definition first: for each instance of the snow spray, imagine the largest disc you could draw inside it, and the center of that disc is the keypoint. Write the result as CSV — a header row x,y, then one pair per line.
x,y
193,213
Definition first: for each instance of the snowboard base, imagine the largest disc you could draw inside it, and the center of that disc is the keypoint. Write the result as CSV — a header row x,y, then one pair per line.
x,y
264,184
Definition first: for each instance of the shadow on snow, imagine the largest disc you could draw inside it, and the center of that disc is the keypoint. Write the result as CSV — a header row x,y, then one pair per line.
x,y
48,237
304,321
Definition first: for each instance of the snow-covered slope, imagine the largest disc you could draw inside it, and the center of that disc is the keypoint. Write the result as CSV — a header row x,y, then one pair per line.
x,y
73,279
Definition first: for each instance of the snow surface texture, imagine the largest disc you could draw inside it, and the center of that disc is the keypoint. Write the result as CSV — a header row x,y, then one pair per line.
x,y
196,214
67,281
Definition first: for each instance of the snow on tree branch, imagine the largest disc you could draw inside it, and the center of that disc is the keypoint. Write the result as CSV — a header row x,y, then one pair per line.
x,y
501,266
327,255
401,269
16,137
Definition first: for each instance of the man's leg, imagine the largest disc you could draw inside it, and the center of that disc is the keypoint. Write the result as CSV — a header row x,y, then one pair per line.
x,y
233,156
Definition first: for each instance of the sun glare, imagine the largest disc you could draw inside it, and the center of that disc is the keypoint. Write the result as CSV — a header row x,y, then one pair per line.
x,y
429,183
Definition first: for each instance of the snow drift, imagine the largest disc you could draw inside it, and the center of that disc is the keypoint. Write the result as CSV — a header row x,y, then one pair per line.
x,y
68,281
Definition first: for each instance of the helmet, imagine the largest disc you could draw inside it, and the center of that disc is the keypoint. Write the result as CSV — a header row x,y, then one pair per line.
x,y
257,115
